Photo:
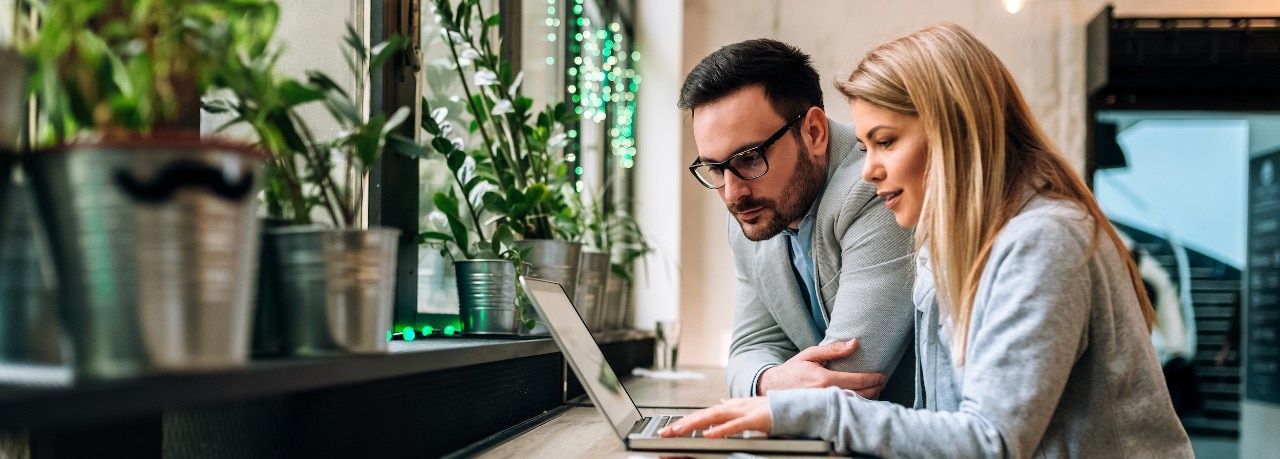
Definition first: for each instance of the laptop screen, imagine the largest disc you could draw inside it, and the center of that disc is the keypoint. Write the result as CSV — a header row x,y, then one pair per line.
x,y
582,353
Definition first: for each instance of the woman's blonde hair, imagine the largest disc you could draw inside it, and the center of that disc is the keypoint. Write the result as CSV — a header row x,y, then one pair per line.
x,y
984,151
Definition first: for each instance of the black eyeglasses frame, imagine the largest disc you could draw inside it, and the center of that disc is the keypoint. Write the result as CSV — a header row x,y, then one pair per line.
x,y
761,149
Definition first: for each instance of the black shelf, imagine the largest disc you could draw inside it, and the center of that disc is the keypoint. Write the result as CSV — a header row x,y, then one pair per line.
x,y
51,400
314,407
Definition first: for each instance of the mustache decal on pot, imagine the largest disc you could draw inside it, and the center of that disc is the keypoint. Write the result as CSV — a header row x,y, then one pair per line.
x,y
185,174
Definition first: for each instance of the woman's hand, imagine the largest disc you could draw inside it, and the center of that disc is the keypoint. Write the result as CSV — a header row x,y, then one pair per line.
x,y
730,416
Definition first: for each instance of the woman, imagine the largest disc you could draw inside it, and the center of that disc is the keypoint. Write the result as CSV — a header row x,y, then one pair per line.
x,y
1033,327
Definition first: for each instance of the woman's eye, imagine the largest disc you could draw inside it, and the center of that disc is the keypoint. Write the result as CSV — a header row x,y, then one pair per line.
x,y
885,143
862,147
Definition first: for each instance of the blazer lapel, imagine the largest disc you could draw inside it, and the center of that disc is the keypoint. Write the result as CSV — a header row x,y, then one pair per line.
x,y
782,294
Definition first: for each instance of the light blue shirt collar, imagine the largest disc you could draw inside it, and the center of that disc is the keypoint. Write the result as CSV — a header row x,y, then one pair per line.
x,y
801,240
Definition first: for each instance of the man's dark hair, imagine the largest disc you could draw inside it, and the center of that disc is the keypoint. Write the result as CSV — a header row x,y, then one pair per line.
x,y
786,73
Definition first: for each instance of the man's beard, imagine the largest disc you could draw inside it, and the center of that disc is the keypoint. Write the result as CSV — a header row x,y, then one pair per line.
x,y
797,198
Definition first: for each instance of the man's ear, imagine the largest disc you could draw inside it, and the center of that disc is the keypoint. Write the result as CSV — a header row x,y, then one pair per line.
x,y
814,132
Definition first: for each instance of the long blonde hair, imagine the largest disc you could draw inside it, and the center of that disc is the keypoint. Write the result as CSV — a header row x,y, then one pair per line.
x,y
983,143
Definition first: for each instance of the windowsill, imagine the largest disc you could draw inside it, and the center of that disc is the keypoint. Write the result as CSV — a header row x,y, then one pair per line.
x,y
37,396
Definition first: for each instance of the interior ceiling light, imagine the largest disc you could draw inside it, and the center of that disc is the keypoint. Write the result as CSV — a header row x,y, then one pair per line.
x,y
1013,6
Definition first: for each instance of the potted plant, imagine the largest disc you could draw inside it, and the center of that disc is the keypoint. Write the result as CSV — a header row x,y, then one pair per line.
x,y
151,228
483,255
594,265
12,115
531,192
334,281
626,244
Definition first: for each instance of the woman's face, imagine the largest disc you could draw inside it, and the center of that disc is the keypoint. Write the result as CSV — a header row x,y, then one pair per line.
x,y
896,158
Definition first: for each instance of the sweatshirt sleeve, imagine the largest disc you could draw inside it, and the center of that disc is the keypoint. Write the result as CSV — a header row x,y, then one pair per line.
x,y
1028,329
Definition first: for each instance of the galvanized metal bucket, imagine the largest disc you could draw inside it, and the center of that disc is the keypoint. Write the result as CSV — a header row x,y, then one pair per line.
x,y
616,309
487,297
335,288
30,332
593,273
267,319
12,118
552,260
154,243
13,104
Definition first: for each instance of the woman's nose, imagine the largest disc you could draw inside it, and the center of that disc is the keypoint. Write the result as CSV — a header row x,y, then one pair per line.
x,y
872,171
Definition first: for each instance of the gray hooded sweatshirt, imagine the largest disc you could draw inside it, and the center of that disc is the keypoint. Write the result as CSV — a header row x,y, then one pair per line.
x,y
1059,361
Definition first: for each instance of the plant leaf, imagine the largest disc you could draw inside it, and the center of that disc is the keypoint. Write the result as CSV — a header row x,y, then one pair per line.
x,y
427,236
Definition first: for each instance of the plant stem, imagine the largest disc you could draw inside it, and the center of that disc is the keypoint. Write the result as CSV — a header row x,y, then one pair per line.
x,y
462,77
475,219
313,157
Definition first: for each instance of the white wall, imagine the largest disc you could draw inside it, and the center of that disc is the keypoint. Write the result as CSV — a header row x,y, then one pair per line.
x,y
658,171
1043,46
312,39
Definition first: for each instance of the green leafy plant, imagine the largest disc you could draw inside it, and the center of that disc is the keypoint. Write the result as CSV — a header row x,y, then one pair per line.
x,y
474,178
520,156
306,172
613,231
121,67
626,243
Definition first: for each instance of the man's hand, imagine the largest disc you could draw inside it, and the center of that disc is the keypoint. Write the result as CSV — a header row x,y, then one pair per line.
x,y
729,417
806,370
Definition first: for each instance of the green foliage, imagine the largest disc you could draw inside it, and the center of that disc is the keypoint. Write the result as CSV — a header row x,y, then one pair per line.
x,y
129,66
306,172
530,190
472,176
612,231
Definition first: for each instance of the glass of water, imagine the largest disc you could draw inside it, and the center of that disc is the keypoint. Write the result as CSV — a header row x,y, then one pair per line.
x,y
668,343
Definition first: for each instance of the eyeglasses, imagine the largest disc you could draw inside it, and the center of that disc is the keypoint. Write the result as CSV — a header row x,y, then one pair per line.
x,y
749,164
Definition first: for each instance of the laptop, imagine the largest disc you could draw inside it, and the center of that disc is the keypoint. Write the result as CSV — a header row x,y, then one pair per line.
x,y
637,432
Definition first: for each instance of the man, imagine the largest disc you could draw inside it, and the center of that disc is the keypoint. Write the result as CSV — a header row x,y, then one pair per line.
x,y
819,259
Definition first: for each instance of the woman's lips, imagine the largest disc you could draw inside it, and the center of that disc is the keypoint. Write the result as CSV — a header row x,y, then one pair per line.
x,y
891,199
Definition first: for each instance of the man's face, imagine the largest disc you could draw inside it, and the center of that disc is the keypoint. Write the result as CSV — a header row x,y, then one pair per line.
x,y
797,169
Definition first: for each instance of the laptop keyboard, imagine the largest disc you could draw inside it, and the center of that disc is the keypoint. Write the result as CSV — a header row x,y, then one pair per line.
x,y
651,425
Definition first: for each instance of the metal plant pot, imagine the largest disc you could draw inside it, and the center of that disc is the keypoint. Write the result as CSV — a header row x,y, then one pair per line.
x,y
335,288
487,297
593,273
154,244
29,328
12,118
7,162
12,99
552,260
616,310
267,319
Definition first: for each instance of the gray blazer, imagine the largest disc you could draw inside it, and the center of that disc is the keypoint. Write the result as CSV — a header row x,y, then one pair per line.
x,y
1059,361
864,271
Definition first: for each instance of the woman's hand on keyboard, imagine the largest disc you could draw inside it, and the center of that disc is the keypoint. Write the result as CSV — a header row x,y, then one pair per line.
x,y
729,417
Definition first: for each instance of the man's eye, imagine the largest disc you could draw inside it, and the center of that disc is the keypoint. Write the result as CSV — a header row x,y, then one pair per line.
x,y
716,170
749,158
